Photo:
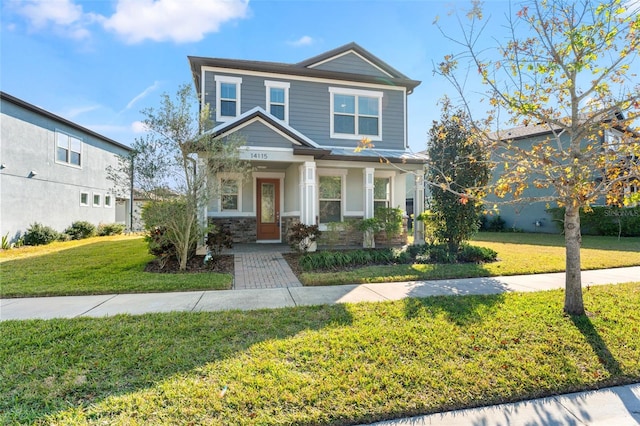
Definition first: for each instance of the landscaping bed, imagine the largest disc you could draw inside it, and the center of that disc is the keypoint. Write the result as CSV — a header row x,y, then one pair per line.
x,y
222,264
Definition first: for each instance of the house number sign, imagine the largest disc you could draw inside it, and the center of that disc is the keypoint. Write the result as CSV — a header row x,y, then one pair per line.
x,y
259,156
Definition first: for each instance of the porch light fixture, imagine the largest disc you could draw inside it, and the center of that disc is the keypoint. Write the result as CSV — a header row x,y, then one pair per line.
x,y
32,173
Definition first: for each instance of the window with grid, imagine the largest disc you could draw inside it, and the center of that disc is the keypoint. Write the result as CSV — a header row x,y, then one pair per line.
x,y
68,149
227,97
330,198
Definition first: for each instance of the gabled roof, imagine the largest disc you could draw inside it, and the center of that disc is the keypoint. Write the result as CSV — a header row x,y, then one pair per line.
x,y
19,102
306,68
269,120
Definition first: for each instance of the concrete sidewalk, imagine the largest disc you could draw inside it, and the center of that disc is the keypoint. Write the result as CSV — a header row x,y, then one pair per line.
x,y
617,406
113,304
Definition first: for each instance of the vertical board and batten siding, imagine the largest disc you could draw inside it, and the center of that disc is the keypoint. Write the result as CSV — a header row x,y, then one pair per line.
x,y
352,64
309,108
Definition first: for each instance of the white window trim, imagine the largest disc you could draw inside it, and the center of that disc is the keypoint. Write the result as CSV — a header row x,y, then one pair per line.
x,y
219,79
230,176
104,201
93,199
354,92
342,173
88,199
269,84
55,150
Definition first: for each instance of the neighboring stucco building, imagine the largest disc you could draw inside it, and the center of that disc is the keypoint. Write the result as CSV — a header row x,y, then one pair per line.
x,y
301,123
52,170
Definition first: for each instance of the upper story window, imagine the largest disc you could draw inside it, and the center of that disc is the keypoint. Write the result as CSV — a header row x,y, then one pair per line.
x,y
68,149
227,97
278,99
613,140
356,113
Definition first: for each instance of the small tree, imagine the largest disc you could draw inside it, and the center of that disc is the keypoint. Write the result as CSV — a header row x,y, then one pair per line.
x,y
565,68
178,157
458,173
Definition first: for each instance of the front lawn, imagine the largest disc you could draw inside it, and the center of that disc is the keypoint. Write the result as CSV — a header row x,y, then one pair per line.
x,y
518,253
99,265
333,365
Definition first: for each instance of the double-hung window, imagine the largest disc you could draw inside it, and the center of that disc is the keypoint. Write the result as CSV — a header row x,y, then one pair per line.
x,y
278,99
227,97
68,149
330,198
355,113
230,192
381,192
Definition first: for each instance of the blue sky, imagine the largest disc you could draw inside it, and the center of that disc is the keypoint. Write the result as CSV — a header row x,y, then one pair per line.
x,y
98,63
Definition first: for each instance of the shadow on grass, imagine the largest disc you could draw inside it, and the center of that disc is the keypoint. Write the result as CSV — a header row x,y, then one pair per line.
x,y
50,366
606,358
482,295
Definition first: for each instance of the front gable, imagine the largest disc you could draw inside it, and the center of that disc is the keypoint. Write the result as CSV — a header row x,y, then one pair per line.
x,y
351,62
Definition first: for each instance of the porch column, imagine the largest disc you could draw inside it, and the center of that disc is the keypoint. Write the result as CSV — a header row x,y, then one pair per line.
x,y
368,192
308,190
418,207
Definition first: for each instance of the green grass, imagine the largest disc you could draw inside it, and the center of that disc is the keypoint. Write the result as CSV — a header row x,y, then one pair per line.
x,y
335,365
518,253
99,265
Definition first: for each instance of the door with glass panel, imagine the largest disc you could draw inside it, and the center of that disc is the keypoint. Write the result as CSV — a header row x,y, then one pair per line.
x,y
268,211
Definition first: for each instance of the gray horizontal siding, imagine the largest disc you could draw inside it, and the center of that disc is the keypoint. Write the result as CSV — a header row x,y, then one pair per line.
x,y
257,134
309,109
351,63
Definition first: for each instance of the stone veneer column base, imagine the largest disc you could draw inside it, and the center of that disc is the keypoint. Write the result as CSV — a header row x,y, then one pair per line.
x,y
243,229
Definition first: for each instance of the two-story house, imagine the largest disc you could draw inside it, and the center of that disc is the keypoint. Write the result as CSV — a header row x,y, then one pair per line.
x,y
301,124
533,216
53,171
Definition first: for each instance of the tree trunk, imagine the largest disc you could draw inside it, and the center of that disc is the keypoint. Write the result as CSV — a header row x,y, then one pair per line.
x,y
573,303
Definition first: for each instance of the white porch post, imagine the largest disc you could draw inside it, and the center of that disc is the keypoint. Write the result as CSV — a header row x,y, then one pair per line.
x,y
418,207
308,187
368,192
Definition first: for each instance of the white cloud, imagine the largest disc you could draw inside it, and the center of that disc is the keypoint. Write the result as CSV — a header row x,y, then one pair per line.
x,y
74,112
135,20
302,41
143,94
139,127
172,20
63,16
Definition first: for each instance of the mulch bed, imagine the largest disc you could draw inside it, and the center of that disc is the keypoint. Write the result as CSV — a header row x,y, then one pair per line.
x,y
223,264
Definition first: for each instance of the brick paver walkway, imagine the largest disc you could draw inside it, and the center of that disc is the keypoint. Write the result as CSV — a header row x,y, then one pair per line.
x,y
264,268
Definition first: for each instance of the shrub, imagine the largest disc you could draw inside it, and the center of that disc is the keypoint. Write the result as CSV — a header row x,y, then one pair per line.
x,y
475,254
440,254
80,229
106,229
219,239
159,245
38,234
493,224
301,237
390,220
604,220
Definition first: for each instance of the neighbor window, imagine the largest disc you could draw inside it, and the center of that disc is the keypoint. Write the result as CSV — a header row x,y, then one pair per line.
x,y
330,198
230,195
107,200
278,99
96,200
68,149
381,193
84,199
355,113
227,97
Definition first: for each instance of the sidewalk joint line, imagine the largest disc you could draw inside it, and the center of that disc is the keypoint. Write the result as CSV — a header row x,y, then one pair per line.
x,y
98,305
198,301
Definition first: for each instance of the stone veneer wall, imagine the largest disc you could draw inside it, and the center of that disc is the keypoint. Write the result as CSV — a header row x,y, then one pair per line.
x,y
287,223
350,236
243,229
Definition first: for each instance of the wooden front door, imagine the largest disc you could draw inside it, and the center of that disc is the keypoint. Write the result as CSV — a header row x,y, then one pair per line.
x,y
268,211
